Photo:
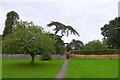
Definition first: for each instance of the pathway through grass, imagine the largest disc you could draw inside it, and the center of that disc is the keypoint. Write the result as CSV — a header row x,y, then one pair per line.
x,y
62,71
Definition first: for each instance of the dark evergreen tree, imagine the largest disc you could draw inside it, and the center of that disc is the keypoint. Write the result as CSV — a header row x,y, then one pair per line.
x,y
111,33
63,28
10,22
75,45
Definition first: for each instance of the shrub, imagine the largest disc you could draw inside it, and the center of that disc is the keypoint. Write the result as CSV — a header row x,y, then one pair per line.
x,y
96,52
46,56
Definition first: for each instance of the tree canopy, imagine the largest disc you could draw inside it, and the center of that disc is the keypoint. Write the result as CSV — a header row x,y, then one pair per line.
x,y
63,28
29,40
10,22
95,45
111,33
60,45
59,27
75,45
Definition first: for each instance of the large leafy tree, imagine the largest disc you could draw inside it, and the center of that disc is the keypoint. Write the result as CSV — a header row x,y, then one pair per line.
x,y
111,33
62,28
10,22
28,39
95,45
75,45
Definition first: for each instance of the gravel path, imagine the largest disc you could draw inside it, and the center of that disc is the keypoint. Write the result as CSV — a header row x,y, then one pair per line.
x,y
62,71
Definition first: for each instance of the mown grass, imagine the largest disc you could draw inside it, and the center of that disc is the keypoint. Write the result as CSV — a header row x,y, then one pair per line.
x,y
23,69
92,68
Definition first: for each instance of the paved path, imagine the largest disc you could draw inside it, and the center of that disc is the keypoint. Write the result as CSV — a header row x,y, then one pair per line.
x,y
62,71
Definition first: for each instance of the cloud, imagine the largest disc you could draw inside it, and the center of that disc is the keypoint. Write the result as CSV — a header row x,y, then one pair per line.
x,y
87,16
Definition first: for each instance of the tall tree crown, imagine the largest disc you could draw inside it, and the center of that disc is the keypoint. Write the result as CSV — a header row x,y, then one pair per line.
x,y
10,22
111,33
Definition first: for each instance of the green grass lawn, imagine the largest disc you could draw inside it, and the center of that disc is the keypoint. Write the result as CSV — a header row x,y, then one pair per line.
x,y
0,68
23,69
92,68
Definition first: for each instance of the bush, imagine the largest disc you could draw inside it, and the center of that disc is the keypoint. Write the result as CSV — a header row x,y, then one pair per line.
x,y
95,45
46,56
96,52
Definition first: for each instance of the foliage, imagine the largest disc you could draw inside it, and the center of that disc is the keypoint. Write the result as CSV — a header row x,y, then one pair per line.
x,y
60,49
29,40
75,45
59,46
95,45
63,28
96,52
46,55
10,22
111,33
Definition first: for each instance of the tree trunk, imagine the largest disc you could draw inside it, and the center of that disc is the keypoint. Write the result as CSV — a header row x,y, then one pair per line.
x,y
33,57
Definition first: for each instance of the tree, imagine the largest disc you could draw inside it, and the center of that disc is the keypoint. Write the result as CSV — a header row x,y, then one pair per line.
x,y
28,40
111,33
95,45
75,45
59,46
10,22
63,28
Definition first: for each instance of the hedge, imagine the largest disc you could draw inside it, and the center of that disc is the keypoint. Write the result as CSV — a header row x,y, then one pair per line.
x,y
96,52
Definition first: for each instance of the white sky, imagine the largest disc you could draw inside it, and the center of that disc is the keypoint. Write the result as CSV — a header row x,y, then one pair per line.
x,y
86,16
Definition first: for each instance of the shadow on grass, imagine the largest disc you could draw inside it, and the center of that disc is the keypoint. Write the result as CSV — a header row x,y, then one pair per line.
x,y
26,63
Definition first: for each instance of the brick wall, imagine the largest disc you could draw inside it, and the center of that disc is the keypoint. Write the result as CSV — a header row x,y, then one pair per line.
x,y
95,56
